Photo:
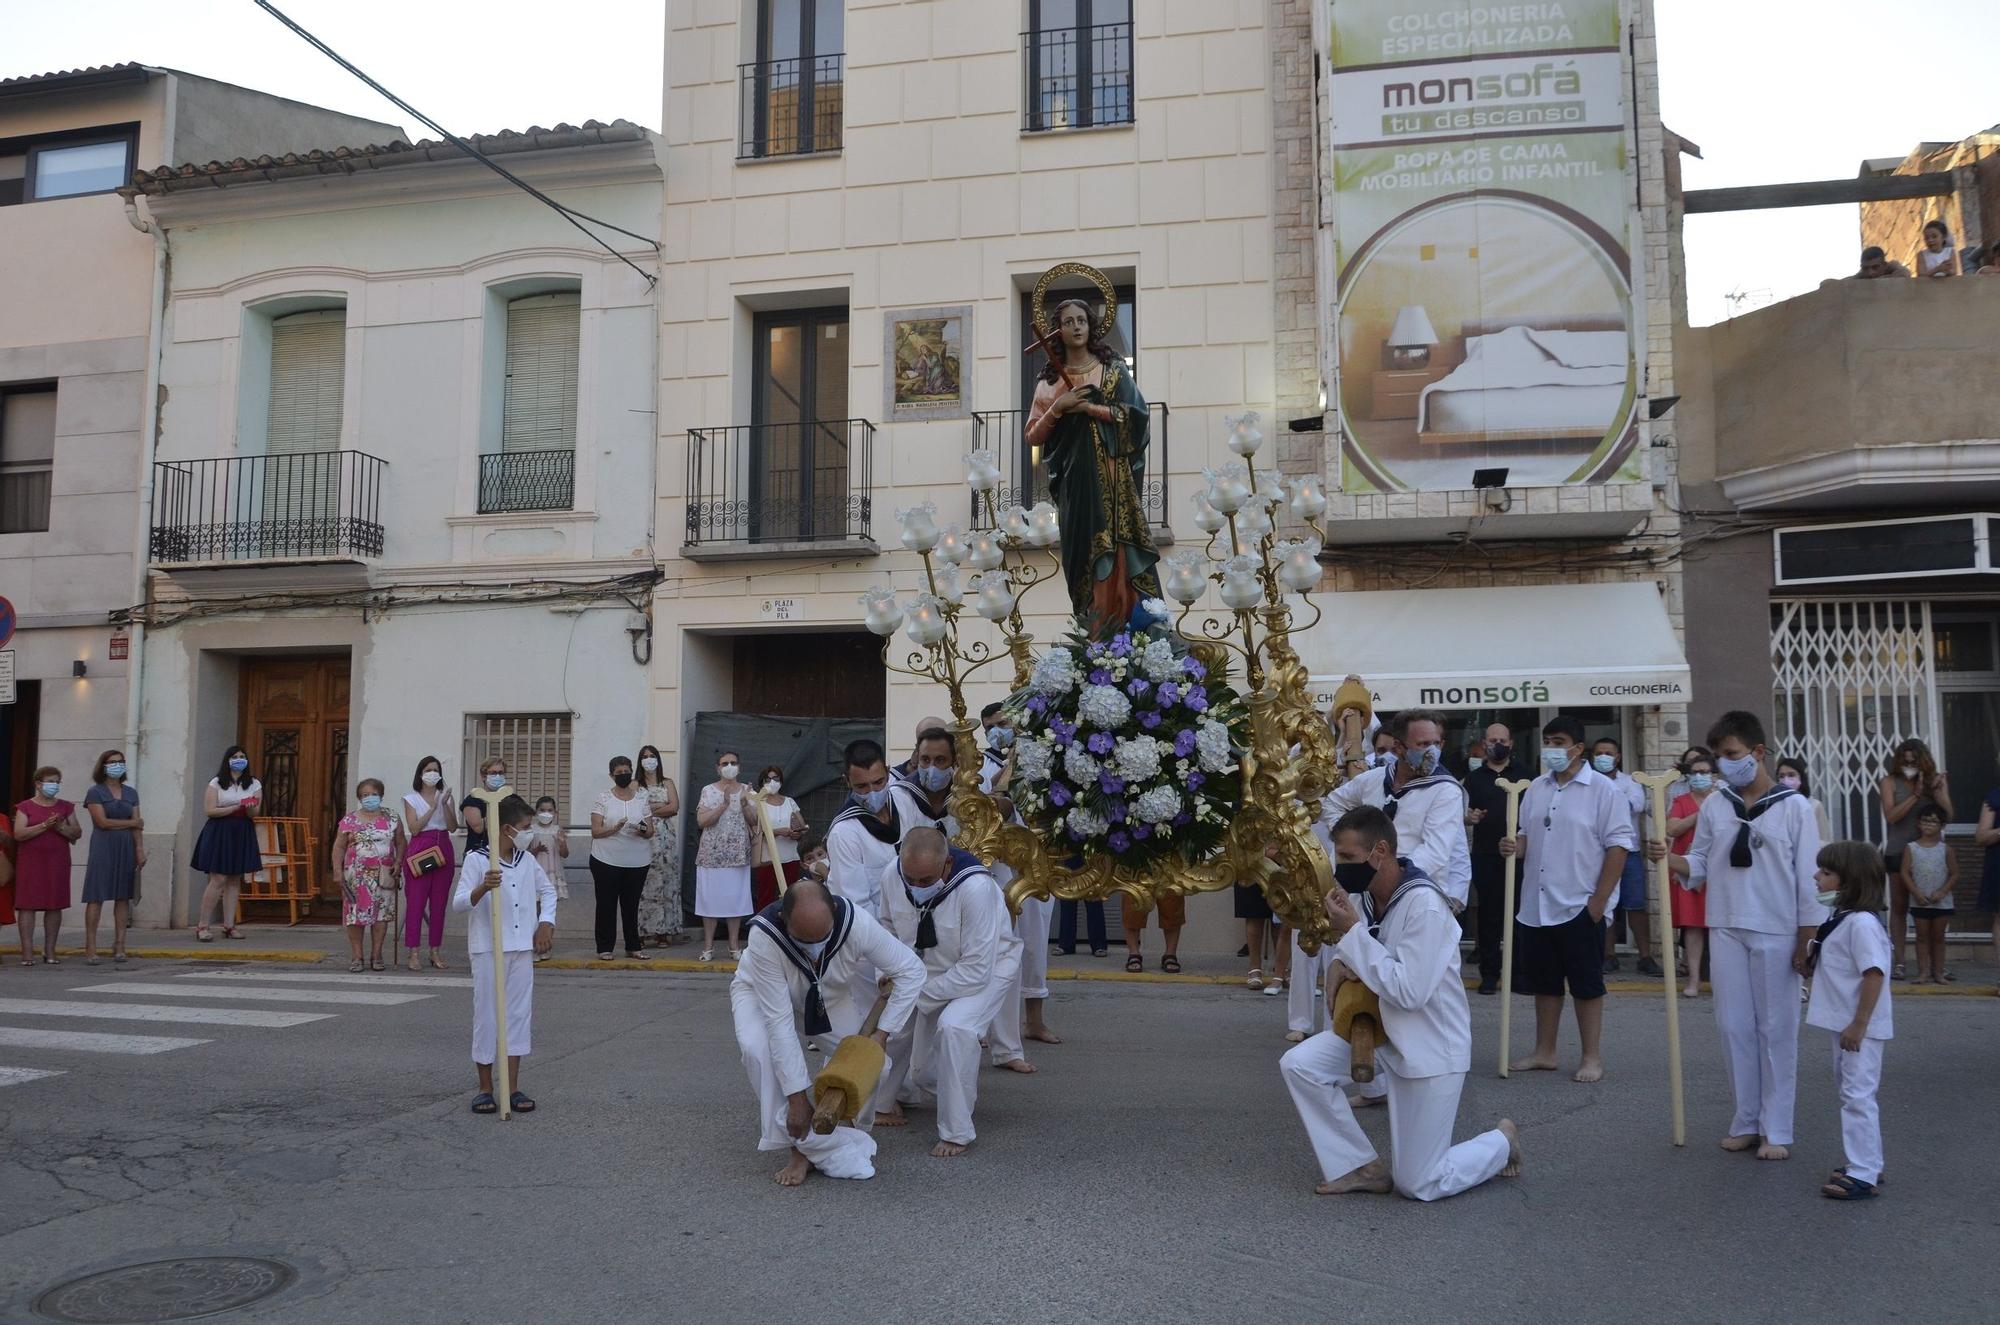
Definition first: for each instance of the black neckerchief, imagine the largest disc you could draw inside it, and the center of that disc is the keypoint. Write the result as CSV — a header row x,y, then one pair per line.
x,y
887,833
1820,936
920,799
1392,797
772,921
1413,878
962,866
1739,850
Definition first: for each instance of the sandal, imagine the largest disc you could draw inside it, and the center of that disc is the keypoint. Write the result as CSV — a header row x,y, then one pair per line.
x,y
356,967
437,962
231,932
1899,973
1842,1187
707,955
484,1102
520,1103
1135,963
1255,979
375,965
1170,964
201,934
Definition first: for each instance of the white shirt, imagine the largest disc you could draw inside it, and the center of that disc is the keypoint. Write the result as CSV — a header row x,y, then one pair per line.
x,y
415,800
527,896
780,816
235,795
855,860
1777,893
1430,825
1569,826
1858,945
1412,966
1637,797
625,848
779,988
975,933
914,807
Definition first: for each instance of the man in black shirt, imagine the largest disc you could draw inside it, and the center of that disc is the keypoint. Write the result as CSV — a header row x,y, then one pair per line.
x,y
1487,813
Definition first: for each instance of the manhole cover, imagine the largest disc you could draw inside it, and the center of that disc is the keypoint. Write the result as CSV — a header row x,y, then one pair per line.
x,y
165,1290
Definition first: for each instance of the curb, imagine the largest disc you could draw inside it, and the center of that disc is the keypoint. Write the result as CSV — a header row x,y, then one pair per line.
x,y
195,955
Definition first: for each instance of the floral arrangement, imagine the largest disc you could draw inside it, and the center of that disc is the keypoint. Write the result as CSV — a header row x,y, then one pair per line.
x,y
1127,746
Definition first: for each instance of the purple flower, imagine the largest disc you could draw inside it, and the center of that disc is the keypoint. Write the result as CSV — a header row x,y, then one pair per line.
x,y
1142,831
1062,731
1058,794
1100,743
1095,651
1195,779
1038,705
1193,668
1149,719
1121,645
1100,677
1137,687
1076,835
1111,785
1197,699
1120,840
1114,811
1169,694
1184,743
1183,819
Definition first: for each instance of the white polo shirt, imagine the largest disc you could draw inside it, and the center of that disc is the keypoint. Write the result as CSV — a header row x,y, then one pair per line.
x,y
1569,827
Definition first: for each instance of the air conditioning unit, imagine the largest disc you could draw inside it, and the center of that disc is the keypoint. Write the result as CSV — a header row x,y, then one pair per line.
x,y
1915,548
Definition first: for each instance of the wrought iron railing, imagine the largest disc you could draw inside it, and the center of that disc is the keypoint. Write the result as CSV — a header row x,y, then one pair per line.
x,y
791,107
781,482
527,481
1077,78
1024,480
267,507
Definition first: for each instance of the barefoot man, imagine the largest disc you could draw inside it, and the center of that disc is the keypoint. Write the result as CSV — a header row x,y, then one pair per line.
x,y
949,908
1403,945
795,981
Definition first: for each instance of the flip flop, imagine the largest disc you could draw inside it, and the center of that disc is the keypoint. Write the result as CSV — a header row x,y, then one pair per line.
x,y
1842,1187
520,1103
484,1102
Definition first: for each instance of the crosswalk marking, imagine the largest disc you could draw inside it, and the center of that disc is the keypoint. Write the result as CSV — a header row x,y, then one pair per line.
x,y
90,1042
372,998
56,1007
368,981
14,1076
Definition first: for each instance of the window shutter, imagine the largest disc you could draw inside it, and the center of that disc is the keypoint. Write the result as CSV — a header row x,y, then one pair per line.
x,y
308,368
538,412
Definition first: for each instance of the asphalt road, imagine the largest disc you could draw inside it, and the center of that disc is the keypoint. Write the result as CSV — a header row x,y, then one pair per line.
x,y
1153,1171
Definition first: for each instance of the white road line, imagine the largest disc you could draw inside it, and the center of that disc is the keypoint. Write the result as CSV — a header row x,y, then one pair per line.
x,y
89,1042
366,981
56,1007
14,1076
383,998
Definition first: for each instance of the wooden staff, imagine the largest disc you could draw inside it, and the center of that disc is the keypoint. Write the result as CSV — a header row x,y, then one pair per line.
x,y
1657,784
503,1080
770,842
1513,790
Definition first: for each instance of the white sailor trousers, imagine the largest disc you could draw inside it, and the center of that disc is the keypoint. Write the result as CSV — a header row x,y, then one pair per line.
x,y
849,1152
938,1055
1033,927
520,1006
1304,1011
1003,1036
1858,1075
1757,1014
1423,1163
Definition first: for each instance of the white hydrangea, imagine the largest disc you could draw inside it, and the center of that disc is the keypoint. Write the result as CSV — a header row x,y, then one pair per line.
x,y
1086,821
1158,661
1157,805
1104,707
1079,765
1032,758
1212,748
1137,759
1055,673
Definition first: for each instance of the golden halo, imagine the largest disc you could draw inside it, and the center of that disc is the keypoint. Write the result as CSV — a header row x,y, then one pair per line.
x,y
1109,318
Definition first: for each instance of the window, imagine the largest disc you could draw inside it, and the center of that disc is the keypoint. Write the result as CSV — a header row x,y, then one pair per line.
x,y
308,375
1077,56
536,747
799,436
27,457
538,407
792,94
66,165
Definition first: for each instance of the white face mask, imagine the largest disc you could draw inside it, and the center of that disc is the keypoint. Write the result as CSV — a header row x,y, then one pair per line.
x,y
432,777
650,764
729,771
772,786
545,817
1909,770
1827,897
1474,763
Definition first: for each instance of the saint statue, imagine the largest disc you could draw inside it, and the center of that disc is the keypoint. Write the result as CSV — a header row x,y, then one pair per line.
x,y
1090,424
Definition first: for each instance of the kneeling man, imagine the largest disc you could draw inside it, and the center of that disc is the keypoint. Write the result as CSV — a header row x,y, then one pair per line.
x,y
795,980
1404,947
948,906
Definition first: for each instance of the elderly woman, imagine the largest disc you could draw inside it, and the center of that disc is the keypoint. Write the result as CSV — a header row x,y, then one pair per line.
x,y
44,829
622,825
722,861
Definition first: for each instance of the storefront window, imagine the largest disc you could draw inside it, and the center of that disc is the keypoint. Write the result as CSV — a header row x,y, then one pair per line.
x,y
1968,673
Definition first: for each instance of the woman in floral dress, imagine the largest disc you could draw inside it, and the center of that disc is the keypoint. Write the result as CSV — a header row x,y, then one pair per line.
x,y
660,901
366,853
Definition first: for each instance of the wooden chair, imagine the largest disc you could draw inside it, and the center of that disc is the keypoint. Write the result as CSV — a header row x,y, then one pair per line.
x,y
290,874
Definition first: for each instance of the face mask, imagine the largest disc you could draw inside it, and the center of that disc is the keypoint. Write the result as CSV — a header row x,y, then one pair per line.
x,y
371,803
51,789
772,786
1738,772
1700,781
934,779
728,771
927,891
1792,780
114,770
1828,897
1498,753
623,779
1604,763
1421,760
1000,737
1909,770
873,801
650,764
817,867
495,781
545,817
1353,875
1474,763
813,950
1555,758
238,764
432,777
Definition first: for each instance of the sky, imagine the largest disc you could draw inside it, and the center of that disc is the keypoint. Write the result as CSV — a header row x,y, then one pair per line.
x,y
1772,90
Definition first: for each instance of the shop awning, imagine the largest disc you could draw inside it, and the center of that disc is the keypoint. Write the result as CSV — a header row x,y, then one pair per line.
x,y
1569,644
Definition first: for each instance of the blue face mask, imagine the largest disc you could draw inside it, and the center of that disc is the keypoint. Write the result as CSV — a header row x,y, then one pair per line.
x,y
1738,772
873,801
114,770
1421,760
51,789
238,764
371,803
1555,758
1000,737
495,781
1700,781
934,779
1604,763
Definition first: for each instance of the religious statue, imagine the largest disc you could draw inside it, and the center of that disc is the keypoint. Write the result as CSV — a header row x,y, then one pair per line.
x,y
1090,424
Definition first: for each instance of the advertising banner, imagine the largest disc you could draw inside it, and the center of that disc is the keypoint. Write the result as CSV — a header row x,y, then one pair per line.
x,y
1489,307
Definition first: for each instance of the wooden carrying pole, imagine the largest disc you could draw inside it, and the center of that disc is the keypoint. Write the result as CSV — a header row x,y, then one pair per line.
x,y
1657,784
1513,790
503,1080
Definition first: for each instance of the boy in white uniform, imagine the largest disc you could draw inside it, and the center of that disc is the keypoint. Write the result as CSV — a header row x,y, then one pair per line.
x,y
527,900
1849,963
1020,1015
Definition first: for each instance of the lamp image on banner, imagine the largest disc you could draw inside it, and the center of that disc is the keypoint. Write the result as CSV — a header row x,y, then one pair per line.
x,y
1485,244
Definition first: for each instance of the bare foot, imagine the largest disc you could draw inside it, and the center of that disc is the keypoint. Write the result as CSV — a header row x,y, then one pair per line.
x,y
1507,1129
1021,1065
891,1118
1769,1151
1736,1143
1043,1035
948,1150
1589,1072
1533,1063
1366,1101
1372,1177
795,1172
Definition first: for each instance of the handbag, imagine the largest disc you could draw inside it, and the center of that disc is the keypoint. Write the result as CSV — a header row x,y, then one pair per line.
x,y
427,861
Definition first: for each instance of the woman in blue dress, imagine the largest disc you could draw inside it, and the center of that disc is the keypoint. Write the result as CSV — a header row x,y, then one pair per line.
x,y
117,853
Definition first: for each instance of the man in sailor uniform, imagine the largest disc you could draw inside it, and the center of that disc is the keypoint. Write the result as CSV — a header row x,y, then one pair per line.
x,y
527,901
794,983
923,797
1020,1015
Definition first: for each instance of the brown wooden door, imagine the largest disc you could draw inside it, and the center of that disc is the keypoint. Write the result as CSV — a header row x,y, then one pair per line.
x,y
294,721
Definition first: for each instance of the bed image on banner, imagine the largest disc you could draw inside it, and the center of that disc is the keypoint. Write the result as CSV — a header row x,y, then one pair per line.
x,y
1484,239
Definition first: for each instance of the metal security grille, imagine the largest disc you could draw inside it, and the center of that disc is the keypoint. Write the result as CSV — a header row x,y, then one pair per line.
x,y
1849,679
536,748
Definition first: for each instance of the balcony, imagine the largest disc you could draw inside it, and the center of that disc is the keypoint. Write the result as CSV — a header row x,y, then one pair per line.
x,y
790,107
527,481
1077,78
314,506
1869,394
1024,481
780,490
